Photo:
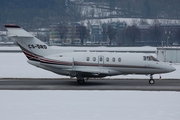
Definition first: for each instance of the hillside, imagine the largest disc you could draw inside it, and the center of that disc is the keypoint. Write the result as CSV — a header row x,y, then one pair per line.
x,y
37,13
32,13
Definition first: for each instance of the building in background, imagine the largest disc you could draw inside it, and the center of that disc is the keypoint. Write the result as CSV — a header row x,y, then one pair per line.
x,y
169,54
63,33
96,34
54,35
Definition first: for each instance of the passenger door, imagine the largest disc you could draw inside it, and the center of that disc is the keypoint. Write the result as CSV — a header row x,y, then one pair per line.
x,y
100,60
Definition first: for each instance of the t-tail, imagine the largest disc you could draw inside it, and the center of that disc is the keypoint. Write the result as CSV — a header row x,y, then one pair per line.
x,y
32,47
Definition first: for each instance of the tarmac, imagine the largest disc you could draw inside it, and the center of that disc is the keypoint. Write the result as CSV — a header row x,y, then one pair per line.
x,y
92,84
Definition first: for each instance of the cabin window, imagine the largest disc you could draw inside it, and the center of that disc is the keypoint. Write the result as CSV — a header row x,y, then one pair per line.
x,y
94,58
153,58
87,58
144,58
113,59
107,59
101,59
119,59
149,58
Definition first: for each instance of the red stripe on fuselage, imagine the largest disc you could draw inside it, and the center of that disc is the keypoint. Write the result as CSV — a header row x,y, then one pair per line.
x,y
50,61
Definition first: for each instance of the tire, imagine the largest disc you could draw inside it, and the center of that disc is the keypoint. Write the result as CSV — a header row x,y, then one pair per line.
x,y
81,82
151,81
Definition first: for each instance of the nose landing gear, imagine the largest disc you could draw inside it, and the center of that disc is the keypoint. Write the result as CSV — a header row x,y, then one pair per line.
x,y
151,81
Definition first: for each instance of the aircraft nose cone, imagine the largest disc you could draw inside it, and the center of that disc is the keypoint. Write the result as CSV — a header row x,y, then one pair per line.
x,y
171,68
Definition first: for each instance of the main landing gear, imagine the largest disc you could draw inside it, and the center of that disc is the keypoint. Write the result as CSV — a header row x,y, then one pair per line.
x,y
151,81
80,81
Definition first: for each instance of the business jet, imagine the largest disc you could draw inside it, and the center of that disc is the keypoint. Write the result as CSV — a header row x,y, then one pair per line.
x,y
85,64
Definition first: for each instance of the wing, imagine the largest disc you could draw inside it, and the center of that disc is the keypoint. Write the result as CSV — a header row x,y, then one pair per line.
x,y
92,72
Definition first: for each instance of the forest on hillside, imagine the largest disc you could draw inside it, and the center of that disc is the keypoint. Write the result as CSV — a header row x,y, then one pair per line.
x,y
146,8
38,13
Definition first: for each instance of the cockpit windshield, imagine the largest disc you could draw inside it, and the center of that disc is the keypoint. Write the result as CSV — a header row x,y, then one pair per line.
x,y
149,58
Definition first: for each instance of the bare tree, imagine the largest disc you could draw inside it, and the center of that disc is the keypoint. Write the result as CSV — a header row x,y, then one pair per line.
x,y
105,30
178,35
132,33
156,32
73,32
120,36
111,32
83,33
62,29
92,12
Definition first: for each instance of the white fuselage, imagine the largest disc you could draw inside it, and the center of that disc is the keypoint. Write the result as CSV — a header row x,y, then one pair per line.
x,y
101,64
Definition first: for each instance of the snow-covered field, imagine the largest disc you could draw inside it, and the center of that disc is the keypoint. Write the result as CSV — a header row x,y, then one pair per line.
x,y
89,105
81,105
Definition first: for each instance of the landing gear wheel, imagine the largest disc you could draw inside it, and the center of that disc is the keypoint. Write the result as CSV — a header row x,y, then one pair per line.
x,y
81,81
151,81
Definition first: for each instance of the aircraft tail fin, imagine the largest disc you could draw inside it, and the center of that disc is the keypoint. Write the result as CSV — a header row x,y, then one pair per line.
x,y
32,47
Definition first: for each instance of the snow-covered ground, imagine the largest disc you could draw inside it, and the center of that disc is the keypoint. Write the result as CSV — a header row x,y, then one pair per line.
x,y
89,105
81,105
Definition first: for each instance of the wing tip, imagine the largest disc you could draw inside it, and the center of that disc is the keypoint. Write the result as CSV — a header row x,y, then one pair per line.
x,y
11,26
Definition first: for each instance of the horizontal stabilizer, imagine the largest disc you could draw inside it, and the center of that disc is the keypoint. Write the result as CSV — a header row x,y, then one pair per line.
x,y
16,31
